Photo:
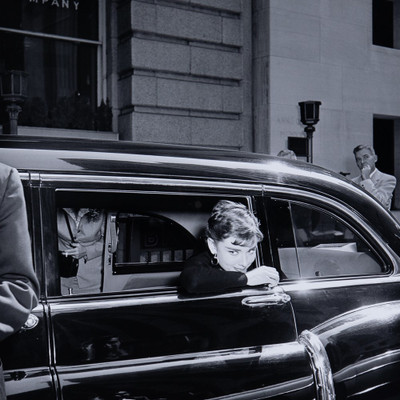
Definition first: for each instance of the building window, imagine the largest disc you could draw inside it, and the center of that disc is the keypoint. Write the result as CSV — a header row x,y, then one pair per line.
x,y
57,43
386,23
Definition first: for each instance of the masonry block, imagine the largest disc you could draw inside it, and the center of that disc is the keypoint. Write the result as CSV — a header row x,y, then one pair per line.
x,y
232,31
125,127
192,95
164,56
124,92
143,16
149,127
216,63
217,132
225,5
144,90
125,55
190,25
232,99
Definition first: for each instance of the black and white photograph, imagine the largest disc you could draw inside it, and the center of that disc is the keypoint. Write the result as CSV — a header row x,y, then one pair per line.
x,y
199,199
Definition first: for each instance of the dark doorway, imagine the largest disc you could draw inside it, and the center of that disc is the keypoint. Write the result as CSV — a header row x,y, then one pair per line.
x,y
382,23
384,144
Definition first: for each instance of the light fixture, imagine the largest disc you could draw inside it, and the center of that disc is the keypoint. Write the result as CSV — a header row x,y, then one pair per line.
x,y
309,114
13,91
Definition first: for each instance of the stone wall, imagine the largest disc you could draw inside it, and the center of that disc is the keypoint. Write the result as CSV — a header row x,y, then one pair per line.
x,y
322,50
184,72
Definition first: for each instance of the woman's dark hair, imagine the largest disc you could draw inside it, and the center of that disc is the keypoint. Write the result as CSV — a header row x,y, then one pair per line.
x,y
229,218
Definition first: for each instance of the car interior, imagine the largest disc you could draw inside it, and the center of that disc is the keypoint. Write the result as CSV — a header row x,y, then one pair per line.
x,y
147,237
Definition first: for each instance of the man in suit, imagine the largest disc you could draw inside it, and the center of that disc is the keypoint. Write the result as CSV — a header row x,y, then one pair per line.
x,y
371,179
19,287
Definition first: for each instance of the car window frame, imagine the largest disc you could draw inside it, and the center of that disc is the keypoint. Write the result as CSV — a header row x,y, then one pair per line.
x,y
50,183
344,214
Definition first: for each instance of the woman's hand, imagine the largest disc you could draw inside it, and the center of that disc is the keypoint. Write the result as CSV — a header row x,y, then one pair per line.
x,y
262,275
76,251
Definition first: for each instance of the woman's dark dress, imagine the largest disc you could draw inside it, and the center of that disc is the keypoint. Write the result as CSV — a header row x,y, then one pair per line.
x,y
199,275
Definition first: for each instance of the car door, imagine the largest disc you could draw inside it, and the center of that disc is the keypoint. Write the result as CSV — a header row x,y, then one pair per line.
x,y
161,345
141,337
332,262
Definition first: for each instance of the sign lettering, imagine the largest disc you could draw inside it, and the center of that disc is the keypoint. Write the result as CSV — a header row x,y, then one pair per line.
x,y
73,4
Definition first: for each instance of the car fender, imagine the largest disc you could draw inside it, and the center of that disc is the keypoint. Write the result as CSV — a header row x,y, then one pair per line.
x,y
363,350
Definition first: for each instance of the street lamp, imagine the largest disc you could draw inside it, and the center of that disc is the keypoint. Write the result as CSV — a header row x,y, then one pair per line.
x,y
13,91
309,113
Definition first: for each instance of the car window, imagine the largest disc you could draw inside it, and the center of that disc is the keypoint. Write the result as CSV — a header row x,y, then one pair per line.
x,y
130,240
313,242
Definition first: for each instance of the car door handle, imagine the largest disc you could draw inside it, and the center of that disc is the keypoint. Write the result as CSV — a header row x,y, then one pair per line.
x,y
266,300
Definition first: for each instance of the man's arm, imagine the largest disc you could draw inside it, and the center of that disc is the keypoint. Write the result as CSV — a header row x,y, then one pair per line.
x,y
382,190
19,287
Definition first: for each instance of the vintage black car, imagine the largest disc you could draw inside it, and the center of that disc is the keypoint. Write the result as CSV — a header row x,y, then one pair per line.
x,y
330,330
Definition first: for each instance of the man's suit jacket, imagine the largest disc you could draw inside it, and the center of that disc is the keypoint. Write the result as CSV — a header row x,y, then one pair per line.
x,y
18,284
379,185
19,287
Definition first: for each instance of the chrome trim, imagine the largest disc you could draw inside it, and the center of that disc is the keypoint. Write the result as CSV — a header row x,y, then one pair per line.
x,y
280,389
337,282
272,299
134,298
159,182
368,365
86,304
24,176
263,354
372,313
325,389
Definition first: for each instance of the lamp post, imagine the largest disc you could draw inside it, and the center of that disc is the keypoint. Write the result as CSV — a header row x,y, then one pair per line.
x,y
309,113
13,91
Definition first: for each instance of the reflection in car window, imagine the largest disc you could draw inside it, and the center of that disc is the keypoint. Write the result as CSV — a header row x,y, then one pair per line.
x,y
147,237
314,243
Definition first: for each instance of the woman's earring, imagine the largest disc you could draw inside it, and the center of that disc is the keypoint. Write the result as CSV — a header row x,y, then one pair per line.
x,y
214,260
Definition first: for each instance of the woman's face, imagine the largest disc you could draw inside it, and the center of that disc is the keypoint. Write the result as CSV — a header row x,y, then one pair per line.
x,y
233,257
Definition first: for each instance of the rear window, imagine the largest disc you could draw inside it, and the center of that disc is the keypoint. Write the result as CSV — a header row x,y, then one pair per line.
x,y
314,243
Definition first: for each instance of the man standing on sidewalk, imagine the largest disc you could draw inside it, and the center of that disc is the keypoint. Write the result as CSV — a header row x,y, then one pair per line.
x,y
371,179
19,287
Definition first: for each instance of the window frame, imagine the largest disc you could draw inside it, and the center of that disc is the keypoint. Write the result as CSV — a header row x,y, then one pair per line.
x,y
129,185
341,213
100,43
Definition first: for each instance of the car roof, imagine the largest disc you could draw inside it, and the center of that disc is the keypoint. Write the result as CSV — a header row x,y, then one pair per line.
x,y
125,157
78,156
82,156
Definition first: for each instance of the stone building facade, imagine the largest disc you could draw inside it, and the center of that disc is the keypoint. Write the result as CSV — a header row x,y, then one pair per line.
x,y
225,73
185,72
